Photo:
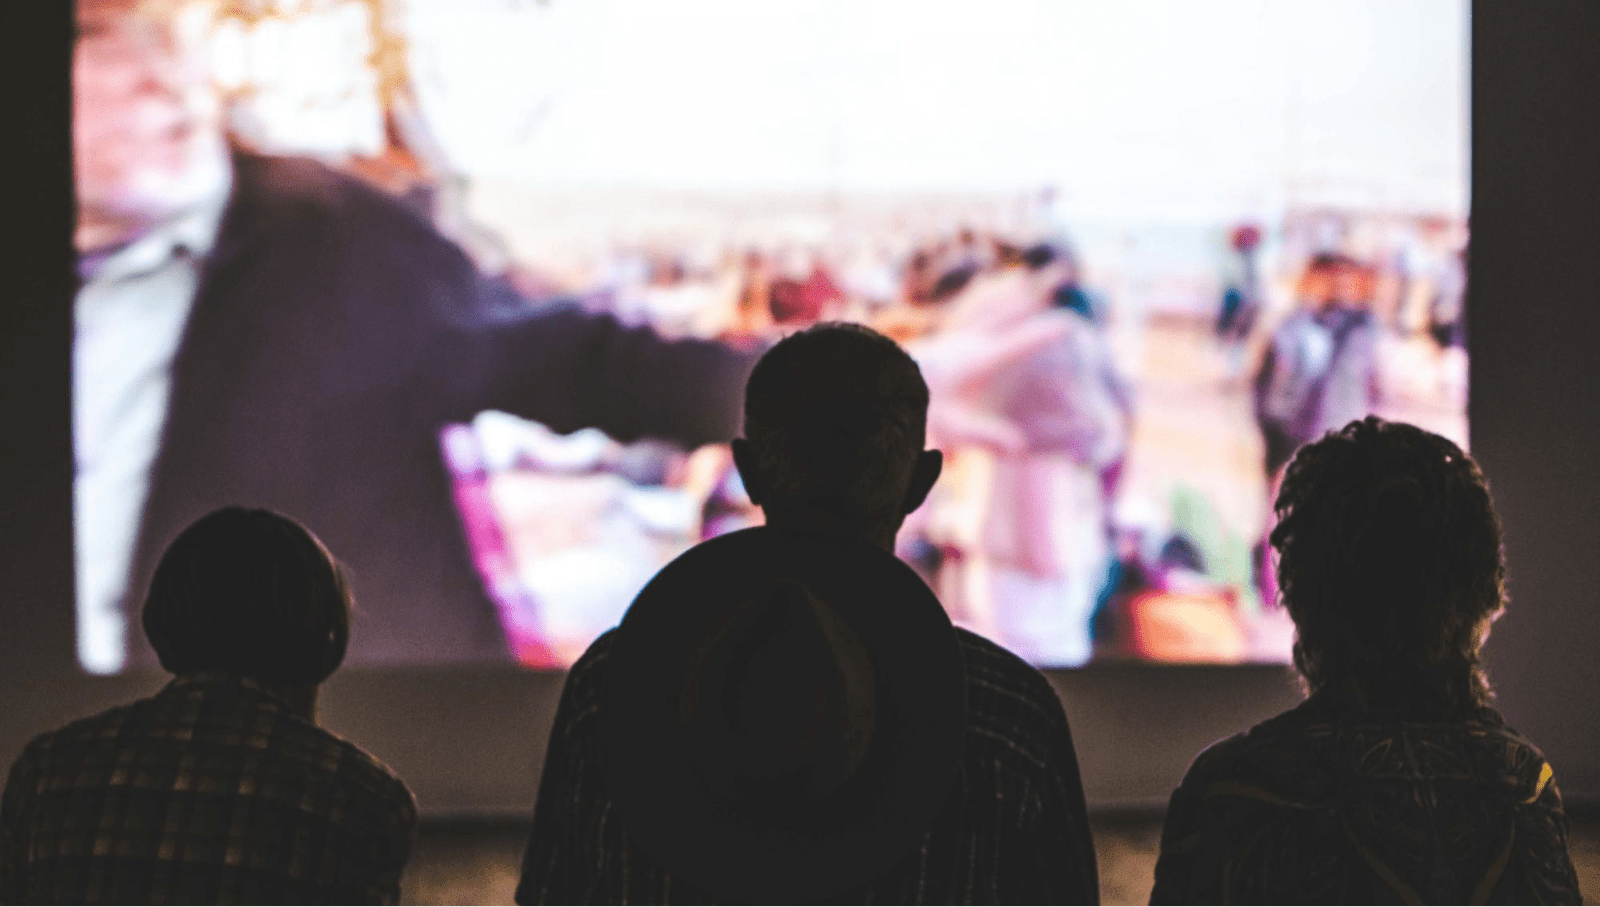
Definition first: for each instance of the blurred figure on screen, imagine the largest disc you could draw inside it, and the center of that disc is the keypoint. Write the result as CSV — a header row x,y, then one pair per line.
x,y
1320,369
786,713
221,788
1395,781
1447,307
266,330
1056,417
1161,606
1241,301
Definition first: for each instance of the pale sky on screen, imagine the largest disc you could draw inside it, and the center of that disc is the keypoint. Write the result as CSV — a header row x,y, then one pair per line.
x,y
1141,105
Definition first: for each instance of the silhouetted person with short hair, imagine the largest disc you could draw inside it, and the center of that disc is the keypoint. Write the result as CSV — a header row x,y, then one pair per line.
x,y
1395,781
220,788
787,714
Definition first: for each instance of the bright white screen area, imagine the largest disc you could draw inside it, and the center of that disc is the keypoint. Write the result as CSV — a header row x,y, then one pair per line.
x,y
1177,109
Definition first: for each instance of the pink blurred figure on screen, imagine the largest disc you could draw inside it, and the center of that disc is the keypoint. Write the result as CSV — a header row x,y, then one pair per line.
x,y
491,553
1035,387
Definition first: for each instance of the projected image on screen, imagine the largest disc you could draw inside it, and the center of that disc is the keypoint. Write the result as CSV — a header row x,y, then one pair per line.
x,y
470,288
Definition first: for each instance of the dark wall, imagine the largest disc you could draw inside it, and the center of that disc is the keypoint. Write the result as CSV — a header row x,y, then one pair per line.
x,y
472,740
36,221
1533,304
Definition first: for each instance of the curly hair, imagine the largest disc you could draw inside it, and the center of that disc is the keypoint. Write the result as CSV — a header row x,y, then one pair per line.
x,y
836,415
1391,565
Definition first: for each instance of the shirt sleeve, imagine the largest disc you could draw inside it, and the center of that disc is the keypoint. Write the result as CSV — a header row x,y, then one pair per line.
x,y
552,873
1544,873
1063,850
403,837
569,368
13,848
1201,844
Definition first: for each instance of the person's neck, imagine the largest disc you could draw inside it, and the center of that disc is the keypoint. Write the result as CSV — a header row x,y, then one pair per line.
x,y
1399,696
301,697
818,522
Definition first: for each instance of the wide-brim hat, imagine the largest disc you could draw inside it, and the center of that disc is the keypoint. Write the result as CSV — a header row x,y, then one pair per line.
x,y
784,715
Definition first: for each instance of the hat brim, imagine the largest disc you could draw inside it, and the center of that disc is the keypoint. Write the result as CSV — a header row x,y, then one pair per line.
x,y
726,848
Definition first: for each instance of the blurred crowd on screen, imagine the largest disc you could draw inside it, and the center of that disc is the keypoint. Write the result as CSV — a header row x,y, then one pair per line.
x,y
1038,535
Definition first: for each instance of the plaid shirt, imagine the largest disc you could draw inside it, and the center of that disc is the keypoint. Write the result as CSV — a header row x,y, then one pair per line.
x,y
1013,830
211,791
1323,806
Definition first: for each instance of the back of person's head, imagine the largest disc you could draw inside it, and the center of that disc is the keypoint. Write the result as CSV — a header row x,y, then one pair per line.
x,y
1390,563
249,592
835,417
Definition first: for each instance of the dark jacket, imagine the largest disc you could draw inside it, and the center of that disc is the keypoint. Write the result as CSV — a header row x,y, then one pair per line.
x,y
1329,804
210,792
333,334
1012,830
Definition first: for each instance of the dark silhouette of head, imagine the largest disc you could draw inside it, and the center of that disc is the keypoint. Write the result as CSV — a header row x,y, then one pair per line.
x,y
1390,563
835,422
249,592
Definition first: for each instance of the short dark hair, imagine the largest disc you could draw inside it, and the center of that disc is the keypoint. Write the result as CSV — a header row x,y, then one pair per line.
x,y
249,592
1390,563
836,415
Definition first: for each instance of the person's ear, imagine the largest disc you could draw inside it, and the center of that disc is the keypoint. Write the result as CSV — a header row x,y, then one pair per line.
x,y
930,463
744,460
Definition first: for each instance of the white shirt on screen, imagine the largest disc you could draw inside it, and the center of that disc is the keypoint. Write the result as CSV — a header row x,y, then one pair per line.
x,y
128,321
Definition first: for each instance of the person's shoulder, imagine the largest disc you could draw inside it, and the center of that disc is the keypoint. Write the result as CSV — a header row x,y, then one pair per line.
x,y
306,180
585,683
295,190
1514,759
1008,699
321,751
1270,761
992,662
594,659
75,736
391,795
589,671
210,716
86,752
1218,762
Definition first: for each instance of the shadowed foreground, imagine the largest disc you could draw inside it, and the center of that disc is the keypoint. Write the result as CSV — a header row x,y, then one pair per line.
x,y
476,862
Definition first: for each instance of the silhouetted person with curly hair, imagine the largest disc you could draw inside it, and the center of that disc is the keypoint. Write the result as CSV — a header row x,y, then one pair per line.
x,y
1395,781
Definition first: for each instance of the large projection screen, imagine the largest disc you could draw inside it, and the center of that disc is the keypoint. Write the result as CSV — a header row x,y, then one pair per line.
x,y
471,287
469,738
